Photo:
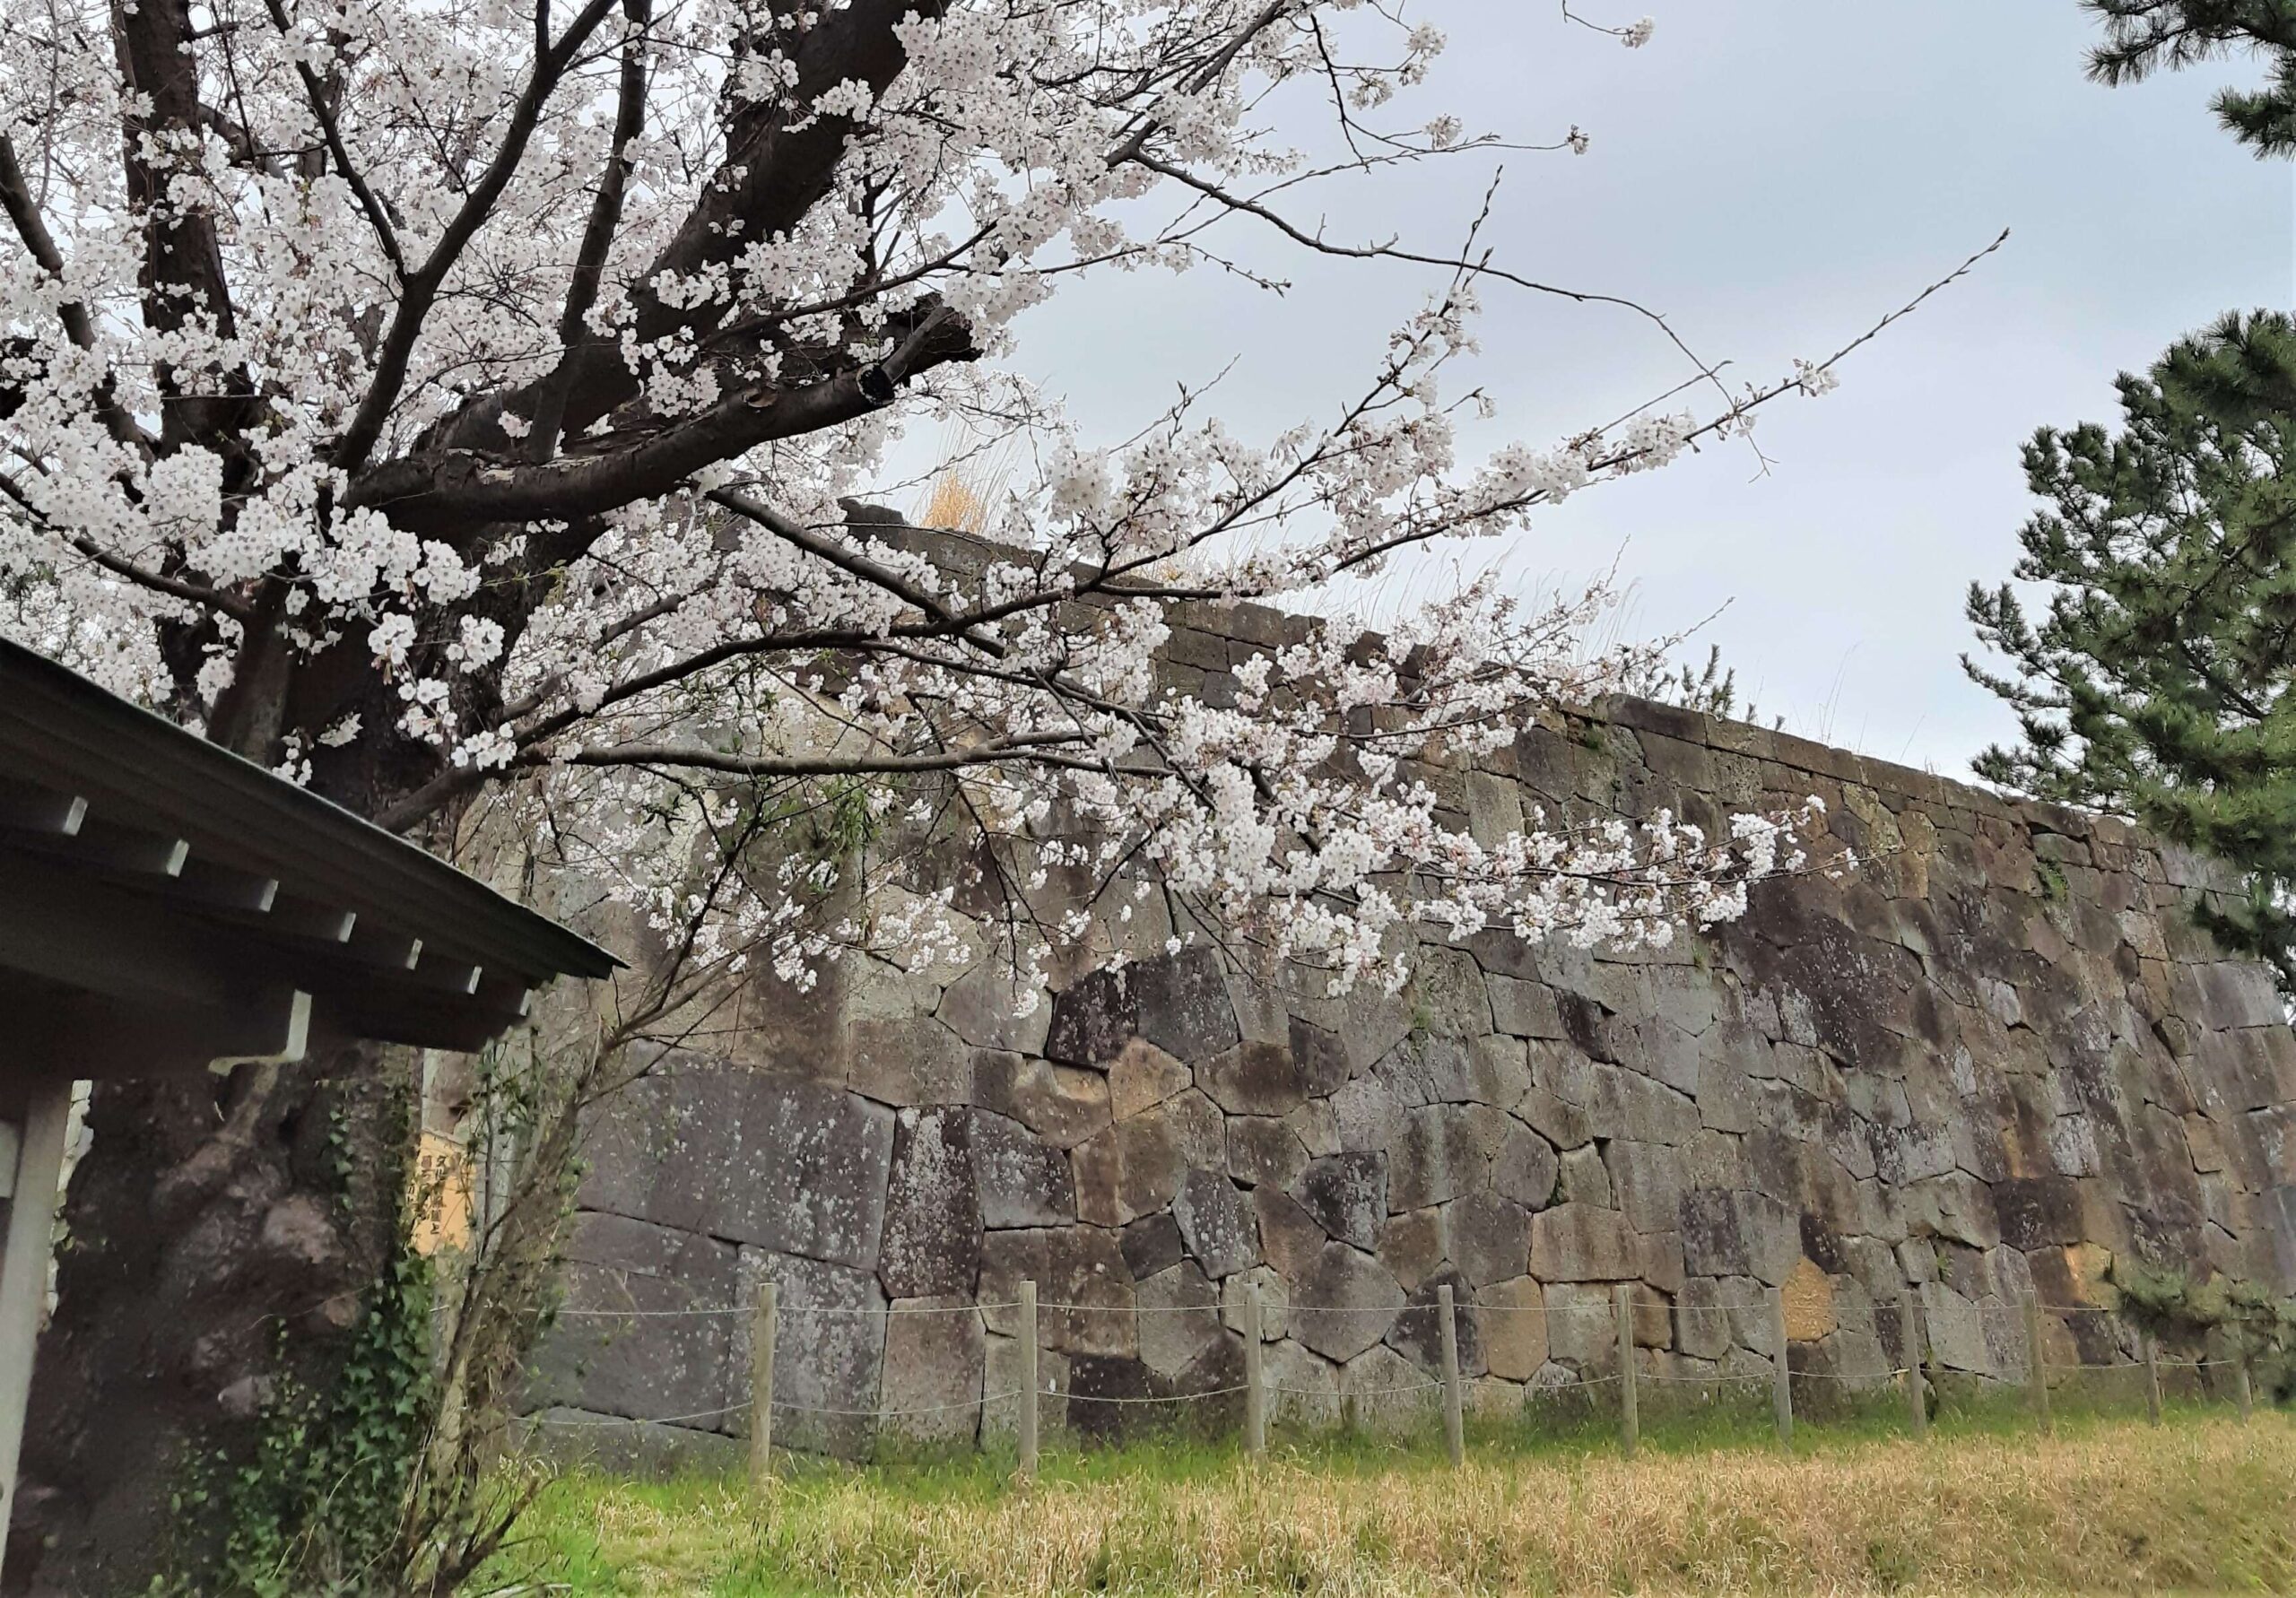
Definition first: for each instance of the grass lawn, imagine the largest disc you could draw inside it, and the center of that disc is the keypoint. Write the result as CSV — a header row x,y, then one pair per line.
x,y
2109,1504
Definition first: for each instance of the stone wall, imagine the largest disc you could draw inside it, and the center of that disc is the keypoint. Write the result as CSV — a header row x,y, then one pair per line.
x,y
1992,1060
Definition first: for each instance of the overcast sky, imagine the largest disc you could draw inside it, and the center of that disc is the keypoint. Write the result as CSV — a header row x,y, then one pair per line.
x,y
1772,174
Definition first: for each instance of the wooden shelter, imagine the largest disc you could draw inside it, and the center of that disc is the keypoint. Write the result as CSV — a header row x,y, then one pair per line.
x,y
167,907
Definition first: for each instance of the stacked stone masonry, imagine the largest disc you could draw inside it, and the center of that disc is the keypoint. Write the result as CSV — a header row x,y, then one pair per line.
x,y
1979,1068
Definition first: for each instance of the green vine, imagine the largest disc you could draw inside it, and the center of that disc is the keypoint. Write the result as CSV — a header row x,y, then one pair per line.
x,y
314,1508
2243,1317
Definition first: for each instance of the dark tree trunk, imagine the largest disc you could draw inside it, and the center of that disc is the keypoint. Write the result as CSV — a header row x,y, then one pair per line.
x,y
223,1236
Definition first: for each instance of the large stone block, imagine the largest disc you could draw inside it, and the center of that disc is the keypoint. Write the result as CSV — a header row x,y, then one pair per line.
x,y
907,1061
1254,1079
1510,1322
1446,1150
1526,1169
983,1007
1265,1151
1344,1304
1428,1068
624,1344
1144,1156
1648,1179
1185,1009
829,1356
792,1166
1142,1076
1488,1236
1580,1243
1380,1390
1346,1195
1290,1238
1060,1103
1084,1291
1215,1221
935,1361
932,1232
1319,1057
1179,1319
1304,1388
1022,1180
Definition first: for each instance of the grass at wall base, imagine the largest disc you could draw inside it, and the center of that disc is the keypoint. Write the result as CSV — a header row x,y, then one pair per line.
x,y
1711,1504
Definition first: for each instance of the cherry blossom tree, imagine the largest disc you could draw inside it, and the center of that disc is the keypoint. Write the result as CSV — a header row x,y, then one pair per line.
x,y
461,403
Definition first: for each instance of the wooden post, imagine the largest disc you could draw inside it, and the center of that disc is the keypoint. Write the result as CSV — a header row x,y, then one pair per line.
x,y
1255,1387
1028,1381
1781,1376
2240,1385
1454,1427
1917,1400
23,1264
2037,1364
1630,1412
765,1327
2151,1379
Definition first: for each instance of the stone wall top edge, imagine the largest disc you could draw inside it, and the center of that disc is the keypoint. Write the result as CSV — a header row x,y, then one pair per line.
x,y
1264,626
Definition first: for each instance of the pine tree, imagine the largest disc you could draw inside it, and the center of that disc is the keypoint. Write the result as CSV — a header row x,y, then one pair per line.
x,y
2159,684
2144,36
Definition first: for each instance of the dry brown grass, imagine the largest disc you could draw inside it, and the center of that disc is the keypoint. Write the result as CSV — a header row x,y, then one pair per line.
x,y
2201,1505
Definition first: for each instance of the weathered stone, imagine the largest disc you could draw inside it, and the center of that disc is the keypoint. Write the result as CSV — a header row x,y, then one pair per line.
x,y
933,1226
1275,1296
1580,1243
1807,1296
1446,1150
1584,1179
1510,1318
1183,1005
1344,1303
1158,1147
1418,1331
1488,1236
1428,1068
1581,1326
1084,1289
1093,1018
1955,1330
1382,1390
1261,1151
1702,1326
578,1438
934,1364
828,1373
1253,1079
1215,1220
1526,1169
1290,1238
1318,1056
1413,1245
982,1008
1152,1243
1317,1126
619,1346
1179,1319
791,1166
1004,1393
1647,1180
1523,1009
1059,1104
911,1061
1448,992
1142,1076
1304,1388
1346,1195
1023,1181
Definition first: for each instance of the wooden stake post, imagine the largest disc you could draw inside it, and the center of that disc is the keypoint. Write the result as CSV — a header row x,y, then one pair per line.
x,y
1630,1415
2151,1379
1917,1401
1255,1381
764,1327
1455,1436
1028,1381
1781,1375
2037,1364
